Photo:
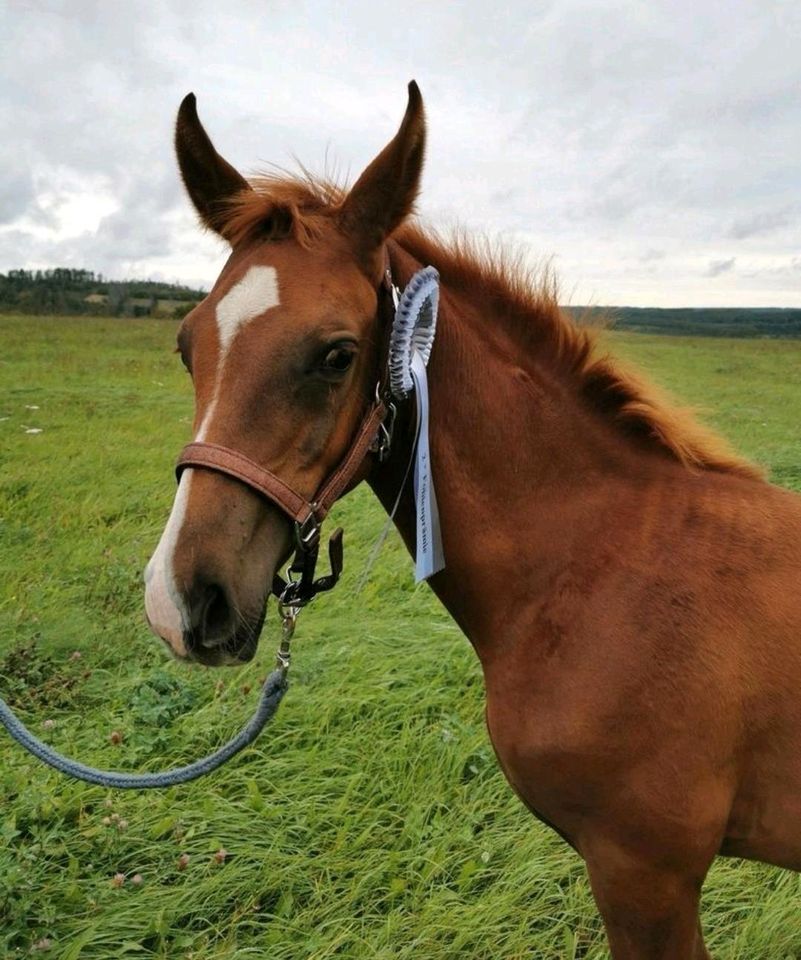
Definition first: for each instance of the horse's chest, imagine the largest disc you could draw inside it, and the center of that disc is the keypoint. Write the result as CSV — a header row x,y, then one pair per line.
x,y
547,757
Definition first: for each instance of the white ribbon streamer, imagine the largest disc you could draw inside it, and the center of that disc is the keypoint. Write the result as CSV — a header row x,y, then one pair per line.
x,y
430,557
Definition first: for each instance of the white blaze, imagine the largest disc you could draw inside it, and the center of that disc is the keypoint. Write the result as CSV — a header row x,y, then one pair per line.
x,y
254,294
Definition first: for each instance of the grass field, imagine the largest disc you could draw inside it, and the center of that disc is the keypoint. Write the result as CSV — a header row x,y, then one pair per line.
x,y
370,821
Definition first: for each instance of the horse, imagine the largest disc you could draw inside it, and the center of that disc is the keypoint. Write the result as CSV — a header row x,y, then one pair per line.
x,y
628,582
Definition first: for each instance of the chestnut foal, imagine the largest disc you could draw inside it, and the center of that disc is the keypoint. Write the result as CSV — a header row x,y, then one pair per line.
x,y
630,586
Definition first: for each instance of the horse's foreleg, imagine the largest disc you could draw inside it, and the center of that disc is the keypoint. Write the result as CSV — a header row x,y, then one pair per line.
x,y
650,912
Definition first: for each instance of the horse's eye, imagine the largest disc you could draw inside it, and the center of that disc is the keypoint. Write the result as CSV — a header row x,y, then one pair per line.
x,y
338,360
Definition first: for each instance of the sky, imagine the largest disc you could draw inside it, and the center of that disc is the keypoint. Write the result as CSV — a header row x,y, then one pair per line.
x,y
649,151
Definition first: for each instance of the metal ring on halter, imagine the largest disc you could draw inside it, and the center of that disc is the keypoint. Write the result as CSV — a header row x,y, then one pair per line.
x,y
288,599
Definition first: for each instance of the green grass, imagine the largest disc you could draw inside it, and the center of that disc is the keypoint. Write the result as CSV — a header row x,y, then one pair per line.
x,y
370,820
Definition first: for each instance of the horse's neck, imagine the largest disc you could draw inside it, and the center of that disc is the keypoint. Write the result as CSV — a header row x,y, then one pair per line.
x,y
521,469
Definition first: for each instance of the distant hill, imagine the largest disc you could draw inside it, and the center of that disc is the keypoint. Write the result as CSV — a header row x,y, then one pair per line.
x,y
82,292
702,322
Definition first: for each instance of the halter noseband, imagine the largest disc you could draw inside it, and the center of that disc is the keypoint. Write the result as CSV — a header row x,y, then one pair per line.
x,y
373,436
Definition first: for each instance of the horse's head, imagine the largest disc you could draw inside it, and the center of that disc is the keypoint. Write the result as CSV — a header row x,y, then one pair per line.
x,y
284,356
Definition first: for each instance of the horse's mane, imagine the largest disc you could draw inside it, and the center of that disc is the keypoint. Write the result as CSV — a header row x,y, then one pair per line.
x,y
526,300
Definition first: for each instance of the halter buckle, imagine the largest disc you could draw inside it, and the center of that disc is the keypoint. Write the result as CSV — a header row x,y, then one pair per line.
x,y
307,532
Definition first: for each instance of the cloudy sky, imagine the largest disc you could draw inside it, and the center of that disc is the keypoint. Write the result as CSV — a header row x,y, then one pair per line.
x,y
651,149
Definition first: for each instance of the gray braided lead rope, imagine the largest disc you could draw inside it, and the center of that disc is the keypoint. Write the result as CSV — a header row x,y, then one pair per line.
x,y
271,694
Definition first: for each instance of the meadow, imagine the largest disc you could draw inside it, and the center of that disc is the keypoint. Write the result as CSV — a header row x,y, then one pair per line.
x,y
370,820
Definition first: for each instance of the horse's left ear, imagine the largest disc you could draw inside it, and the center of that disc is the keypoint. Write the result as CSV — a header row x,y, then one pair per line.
x,y
384,194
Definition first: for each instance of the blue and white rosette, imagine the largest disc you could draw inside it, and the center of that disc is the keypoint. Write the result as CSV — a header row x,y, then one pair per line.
x,y
412,338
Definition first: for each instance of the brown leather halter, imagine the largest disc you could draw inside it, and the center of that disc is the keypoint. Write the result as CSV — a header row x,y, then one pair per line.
x,y
373,436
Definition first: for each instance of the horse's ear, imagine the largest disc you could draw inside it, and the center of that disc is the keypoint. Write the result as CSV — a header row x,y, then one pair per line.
x,y
384,194
209,179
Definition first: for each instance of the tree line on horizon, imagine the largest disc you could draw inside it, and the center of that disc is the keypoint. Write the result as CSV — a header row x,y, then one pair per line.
x,y
77,292
776,322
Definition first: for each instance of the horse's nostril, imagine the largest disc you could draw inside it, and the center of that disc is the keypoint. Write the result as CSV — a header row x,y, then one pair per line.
x,y
217,611
215,620
217,633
